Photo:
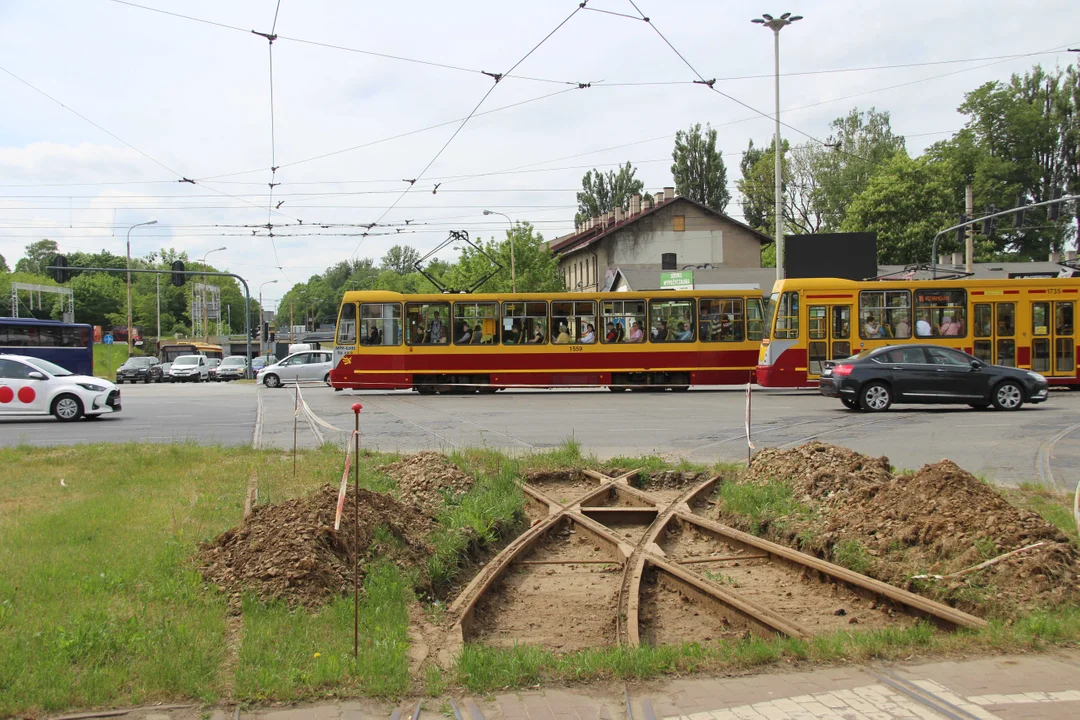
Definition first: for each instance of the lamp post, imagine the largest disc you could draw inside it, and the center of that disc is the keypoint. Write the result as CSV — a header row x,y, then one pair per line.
x,y
205,315
149,222
513,273
263,336
776,25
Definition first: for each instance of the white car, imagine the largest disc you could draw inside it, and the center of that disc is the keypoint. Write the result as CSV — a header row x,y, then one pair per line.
x,y
190,368
310,366
31,386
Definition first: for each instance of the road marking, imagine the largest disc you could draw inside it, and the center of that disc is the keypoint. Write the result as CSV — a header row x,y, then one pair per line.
x,y
256,434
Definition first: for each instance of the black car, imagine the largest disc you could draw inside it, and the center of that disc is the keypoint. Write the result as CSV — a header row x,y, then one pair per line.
x,y
139,369
874,380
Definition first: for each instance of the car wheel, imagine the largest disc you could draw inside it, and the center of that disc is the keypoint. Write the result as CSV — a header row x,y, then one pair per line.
x,y
875,397
850,404
119,381
1008,396
326,379
67,408
272,381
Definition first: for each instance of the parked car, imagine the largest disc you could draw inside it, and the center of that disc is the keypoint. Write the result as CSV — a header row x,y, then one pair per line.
x,y
262,361
212,365
874,380
310,366
31,386
190,368
233,367
139,369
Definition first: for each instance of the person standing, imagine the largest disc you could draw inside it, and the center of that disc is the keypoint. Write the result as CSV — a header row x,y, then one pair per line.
x,y
435,329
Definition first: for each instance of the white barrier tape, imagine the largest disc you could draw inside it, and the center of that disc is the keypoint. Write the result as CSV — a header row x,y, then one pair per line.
x,y
344,484
305,409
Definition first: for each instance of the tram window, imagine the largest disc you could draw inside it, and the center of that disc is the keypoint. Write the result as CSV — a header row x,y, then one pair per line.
x,y
984,323
380,324
940,313
476,323
346,325
1006,313
623,321
884,314
573,322
755,319
787,316
721,320
427,323
1039,313
1063,318
524,323
671,320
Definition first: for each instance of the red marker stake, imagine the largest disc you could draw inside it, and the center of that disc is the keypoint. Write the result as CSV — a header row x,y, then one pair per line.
x,y
356,408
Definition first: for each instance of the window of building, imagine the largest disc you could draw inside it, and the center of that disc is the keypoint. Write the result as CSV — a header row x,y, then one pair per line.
x,y
721,320
476,323
380,324
678,223
573,321
524,323
671,320
787,316
623,321
940,313
884,314
427,323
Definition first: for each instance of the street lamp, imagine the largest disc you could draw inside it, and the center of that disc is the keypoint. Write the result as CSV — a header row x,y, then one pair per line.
x,y
205,315
776,25
263,336
150,222
513,275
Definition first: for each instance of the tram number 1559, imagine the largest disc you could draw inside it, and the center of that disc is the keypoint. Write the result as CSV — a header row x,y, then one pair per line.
x,y
576,348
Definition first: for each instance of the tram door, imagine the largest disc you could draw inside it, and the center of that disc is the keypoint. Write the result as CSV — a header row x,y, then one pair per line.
x,y
829,336
1053,339
995,333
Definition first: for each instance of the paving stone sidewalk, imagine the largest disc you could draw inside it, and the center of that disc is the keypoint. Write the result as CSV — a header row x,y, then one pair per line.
x,y
1007,687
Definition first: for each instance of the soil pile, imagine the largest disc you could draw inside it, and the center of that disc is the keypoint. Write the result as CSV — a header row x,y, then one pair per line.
x,y
937,521
427,479
291,552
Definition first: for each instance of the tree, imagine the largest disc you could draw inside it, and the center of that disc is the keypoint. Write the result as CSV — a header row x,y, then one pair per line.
x,y
603,193
98,298
401,259
537,268
3,265
37,256
756,211
699,170
860,142
906,203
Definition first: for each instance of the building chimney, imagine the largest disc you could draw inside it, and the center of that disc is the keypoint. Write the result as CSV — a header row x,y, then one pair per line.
x,y
1055,257
1070,255
669,193
620,214
669,261
943,260
658,197
957,258
635,204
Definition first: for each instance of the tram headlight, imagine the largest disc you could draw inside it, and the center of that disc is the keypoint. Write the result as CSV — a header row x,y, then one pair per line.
x,y
1036,376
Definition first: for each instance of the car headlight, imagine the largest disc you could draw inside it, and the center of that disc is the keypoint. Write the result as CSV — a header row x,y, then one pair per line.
x,y
1036,376
91,387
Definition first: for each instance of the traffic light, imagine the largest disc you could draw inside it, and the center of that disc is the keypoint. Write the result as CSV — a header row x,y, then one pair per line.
x,y
61,274
265,332
178,276
988,223
1019,217
1055,209
961,232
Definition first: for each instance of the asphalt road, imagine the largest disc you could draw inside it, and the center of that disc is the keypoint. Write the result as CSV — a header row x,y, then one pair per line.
x,y
1038,442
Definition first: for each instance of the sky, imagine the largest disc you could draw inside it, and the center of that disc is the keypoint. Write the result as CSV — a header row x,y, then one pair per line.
x,y
107,107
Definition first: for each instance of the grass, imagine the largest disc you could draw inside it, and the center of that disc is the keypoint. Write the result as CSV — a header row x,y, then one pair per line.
x,y
761,505
107,358
851,554
1054,507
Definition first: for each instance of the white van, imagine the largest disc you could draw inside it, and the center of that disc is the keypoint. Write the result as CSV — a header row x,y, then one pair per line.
x,y
300,347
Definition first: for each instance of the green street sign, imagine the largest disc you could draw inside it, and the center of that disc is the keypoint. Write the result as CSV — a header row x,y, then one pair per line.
x,y
681,280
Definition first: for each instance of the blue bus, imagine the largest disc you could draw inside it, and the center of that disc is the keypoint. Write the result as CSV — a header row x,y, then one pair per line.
x,y
69,345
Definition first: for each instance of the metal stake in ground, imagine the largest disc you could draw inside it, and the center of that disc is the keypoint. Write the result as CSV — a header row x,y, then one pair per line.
x,y
356,408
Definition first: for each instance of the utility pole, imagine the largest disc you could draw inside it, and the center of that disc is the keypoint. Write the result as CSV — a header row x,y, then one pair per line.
x,y
969,243
291,323
157,289
129,338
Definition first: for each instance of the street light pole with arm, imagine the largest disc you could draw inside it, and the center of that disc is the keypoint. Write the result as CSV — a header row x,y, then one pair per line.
x,y
513,272
776,25
205,315
150,222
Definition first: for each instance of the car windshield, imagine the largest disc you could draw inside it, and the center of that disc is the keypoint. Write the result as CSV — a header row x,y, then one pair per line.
x,y
51,368
186,360
139,362
230,361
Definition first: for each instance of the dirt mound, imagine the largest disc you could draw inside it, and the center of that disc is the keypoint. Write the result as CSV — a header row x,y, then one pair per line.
x,y
673,479
426,479
291,552
851,509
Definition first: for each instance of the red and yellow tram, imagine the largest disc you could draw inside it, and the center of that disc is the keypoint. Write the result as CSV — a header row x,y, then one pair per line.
x,y
1021,323
619,340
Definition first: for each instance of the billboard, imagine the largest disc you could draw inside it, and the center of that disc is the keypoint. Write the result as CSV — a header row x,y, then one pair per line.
x,y
852,256
681,280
